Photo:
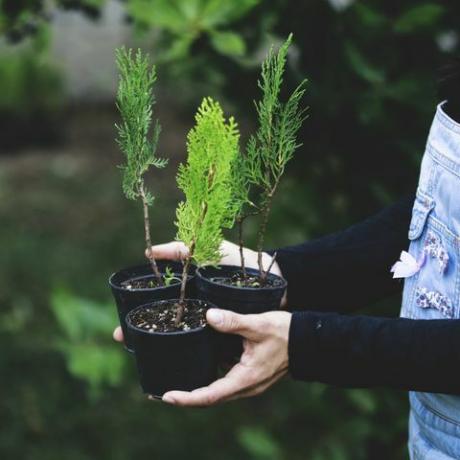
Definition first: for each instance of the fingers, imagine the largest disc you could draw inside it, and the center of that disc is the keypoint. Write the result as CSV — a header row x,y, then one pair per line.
x,y
118,334
231,256
248,326
237,380
240,382
174,250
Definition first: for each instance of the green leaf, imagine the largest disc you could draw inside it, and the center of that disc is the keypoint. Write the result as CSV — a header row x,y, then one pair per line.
x,y
97,365
190,9
80,319
222,12
188,17
228,43
85,341
158,13
361,66
364,400
258,443
369,16
419,17
179,48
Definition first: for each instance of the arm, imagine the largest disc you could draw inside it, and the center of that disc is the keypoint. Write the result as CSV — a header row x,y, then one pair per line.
x,y
347,270
352,352
362,351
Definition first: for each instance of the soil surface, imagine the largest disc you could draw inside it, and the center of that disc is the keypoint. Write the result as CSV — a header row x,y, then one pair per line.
x,y
248,281
148,282
160,318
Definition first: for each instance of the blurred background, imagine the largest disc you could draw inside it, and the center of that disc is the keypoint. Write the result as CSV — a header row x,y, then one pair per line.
x,y
68,392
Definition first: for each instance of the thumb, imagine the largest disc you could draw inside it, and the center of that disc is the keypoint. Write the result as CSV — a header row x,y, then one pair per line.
x,y
233,323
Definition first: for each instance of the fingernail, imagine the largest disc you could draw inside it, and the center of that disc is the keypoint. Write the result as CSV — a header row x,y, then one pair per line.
x,y
215,316
168,399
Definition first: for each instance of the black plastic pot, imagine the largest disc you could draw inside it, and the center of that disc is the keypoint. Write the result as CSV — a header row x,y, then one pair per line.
x,y
128,299
238,299
183,360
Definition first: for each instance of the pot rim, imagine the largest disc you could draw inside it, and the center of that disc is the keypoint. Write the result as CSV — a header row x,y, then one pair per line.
x,y
235,268
114,285
169,334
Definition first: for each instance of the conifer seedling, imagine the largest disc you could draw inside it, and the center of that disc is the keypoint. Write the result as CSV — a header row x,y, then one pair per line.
x,y
206,181
269,149
137,138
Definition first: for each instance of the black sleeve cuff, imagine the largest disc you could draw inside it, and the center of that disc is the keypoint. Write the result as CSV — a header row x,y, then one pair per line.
x,y
305,355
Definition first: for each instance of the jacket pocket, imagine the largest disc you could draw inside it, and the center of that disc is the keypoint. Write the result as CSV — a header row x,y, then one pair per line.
x,y
423,205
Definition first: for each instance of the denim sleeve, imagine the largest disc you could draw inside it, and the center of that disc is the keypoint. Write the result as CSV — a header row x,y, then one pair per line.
x,y
350,269
363,351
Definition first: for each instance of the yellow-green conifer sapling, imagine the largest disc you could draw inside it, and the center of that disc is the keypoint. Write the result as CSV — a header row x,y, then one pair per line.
x,y
206,180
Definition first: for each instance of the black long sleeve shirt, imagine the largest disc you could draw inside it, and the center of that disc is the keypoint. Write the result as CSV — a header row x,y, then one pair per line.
x,y
345,271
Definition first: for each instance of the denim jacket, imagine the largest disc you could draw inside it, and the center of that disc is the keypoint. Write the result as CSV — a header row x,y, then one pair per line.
x,y
433,292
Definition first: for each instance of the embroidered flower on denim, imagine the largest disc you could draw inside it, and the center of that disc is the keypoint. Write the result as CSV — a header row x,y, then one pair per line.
x,y
434,248
433,299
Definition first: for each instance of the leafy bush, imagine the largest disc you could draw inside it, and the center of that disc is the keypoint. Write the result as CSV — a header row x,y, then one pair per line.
x,y
29,82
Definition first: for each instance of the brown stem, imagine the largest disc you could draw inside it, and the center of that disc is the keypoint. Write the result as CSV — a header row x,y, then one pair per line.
x,y
148,240
240,221
181,304
271,264
183,285
260,241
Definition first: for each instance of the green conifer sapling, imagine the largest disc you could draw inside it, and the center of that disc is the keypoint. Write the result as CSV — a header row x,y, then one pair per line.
x,y
135,99
206,181
270,148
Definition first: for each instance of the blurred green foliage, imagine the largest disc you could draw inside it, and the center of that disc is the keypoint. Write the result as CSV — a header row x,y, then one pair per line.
x,y
183,23
29,82
68,392
86,328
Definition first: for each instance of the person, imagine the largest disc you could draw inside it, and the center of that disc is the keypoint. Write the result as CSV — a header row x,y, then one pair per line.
x,y
313,337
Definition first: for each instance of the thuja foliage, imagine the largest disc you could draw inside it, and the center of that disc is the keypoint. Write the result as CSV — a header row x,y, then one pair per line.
x,y
206,181
271,147
137,139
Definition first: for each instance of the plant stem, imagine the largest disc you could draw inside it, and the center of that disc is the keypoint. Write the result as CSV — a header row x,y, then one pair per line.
x,y
240,221
180,307
271,263
181,304
183,285
261,234
148,240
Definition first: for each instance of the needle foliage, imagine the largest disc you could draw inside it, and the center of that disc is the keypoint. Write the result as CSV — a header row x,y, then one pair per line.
x,y
135,99
137,139
206,180
271,147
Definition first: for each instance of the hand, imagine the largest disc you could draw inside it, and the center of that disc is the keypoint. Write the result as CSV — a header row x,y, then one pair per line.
x,y
264,360
176,250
